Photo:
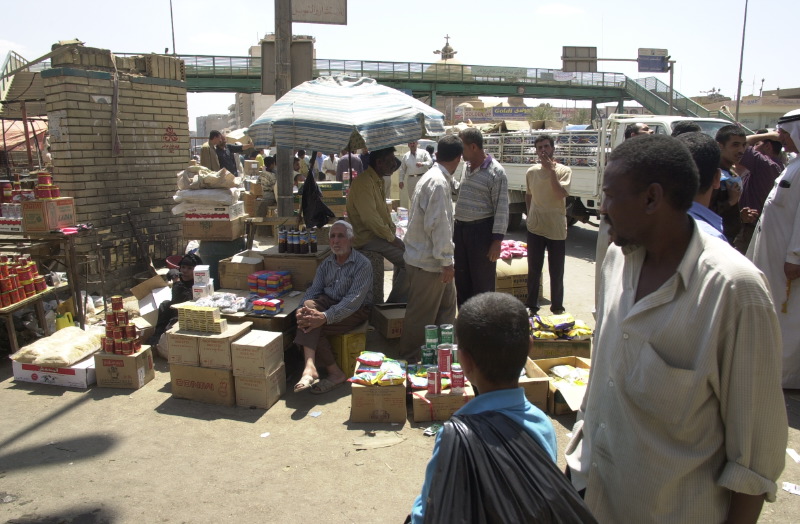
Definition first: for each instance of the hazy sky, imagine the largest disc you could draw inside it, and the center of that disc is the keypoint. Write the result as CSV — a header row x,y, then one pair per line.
x,y
701,36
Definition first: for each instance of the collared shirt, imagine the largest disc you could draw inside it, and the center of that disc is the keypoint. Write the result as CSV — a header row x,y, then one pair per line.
x,y
758,183
367,211
349,284
483,193
226,158
429,238
329,164
408,167
511,403
708,221
547,215
684,404
348,162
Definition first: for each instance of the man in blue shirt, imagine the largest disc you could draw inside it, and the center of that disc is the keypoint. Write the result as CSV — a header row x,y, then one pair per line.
x,y
706,155
493,335
337,301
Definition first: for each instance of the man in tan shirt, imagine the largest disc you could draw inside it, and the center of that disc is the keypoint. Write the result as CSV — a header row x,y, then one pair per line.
x,y
684,418
545,199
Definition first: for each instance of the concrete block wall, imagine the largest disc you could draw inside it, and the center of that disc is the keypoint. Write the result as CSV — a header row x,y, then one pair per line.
x,y
153,130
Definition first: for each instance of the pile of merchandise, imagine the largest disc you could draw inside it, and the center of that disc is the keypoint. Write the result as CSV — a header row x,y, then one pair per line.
x,y
512,248
121,336
559,327
270,284
374,369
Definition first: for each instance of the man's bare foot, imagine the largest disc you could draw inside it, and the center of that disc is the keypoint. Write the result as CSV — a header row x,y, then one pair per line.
x,y
306,381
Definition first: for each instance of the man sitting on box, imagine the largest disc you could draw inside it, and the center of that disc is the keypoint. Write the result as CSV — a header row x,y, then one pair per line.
x,y
337,301
498,444
181,292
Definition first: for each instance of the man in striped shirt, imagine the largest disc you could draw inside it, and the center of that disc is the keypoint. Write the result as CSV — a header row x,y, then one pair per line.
x,y
338,300
684,418
481,218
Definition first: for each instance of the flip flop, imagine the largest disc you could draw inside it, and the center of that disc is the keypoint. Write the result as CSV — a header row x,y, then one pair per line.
x,y
306,382
324,386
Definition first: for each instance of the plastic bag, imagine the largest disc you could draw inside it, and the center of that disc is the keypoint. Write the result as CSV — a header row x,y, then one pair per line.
x,y
371,358
489,469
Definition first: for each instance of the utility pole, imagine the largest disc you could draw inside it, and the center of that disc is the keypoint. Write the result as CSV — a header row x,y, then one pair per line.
x,y
283,69
741,62
172,23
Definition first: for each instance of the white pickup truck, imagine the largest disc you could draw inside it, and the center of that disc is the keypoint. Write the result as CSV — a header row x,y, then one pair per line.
x,y
583,151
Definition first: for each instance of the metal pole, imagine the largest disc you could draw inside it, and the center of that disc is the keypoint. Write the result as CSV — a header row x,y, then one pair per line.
x,y
283,70
671,90
741,62
172,23
6,158
27,137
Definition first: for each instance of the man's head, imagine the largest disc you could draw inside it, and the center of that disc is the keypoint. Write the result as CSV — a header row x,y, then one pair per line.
x,y
450,150
296,164
341,238
685,126
412,146
493,338
636,129
732,142
544,145
215,137
301,153
771,148
706,155
473,145
789,130
269,163
648,182
186,266
383,161
299,179
430,149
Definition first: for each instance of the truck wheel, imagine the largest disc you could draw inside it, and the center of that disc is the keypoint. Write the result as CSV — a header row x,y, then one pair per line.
x,y
514,221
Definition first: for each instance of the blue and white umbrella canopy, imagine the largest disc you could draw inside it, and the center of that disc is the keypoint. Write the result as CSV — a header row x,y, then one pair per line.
x,y
330,113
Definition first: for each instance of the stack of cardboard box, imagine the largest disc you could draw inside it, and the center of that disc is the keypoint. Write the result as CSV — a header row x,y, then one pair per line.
x,y
258,370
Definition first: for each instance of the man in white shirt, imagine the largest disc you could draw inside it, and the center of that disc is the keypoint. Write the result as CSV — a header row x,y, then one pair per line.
x,y
429,251
684,417
415,163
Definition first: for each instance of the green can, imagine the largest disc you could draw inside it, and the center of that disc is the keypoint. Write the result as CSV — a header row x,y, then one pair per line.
x,y
431,336
428,356
446,334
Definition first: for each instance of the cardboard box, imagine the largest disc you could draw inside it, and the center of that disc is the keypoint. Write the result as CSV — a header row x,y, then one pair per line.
x,y
183,347
202,275
233,271
79,375
302,267
348,347
124,371
261,392
388,319
203,290
536,384
211,386
215,350
43,216
257,354
429,407
148,286
378,403
212,212
217,230
251,201
511,273
560,348
563,397
145,328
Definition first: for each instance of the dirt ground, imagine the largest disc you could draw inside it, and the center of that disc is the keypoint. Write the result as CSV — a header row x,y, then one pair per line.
x,y
108,455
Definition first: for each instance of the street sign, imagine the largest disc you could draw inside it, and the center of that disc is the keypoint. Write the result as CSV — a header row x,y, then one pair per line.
x,y
320,11
646,51
578,59
653,60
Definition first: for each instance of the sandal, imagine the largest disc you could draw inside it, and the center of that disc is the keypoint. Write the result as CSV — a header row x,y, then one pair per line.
x,y
306,382
324,386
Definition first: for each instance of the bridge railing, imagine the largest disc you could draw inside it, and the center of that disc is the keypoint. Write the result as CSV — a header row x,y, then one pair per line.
x,y
12,62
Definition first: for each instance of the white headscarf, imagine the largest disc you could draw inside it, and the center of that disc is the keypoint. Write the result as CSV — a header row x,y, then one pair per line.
x,y
790,122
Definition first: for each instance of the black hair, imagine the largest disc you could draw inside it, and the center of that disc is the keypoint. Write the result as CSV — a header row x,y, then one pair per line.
x,y
663,160
269,161
685,126
190,260
777,145
378,155
450,148
471,135
493,329
430,149
214,134
725,133
706,155
542,138
299,175
633,129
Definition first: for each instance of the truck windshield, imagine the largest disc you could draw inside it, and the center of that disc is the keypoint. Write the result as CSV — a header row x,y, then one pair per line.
x,y
709,127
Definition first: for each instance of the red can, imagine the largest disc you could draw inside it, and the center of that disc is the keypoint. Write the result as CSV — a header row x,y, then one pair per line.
x,y
110,332
456,378
24,273
14,280
434,380
108,344
137,345
118,333
111,319
55,192
43,193
126,347
34,269
44,179
445,358
5,299
116,303
130,331
122,318
29,287
3,270
5,285
40,284
16,296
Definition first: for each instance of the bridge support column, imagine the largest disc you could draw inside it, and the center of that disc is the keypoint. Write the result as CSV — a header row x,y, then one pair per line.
x,y
593,112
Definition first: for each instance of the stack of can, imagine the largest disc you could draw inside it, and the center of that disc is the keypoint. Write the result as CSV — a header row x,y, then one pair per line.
x,y
439,356
120,337
19,279
45,189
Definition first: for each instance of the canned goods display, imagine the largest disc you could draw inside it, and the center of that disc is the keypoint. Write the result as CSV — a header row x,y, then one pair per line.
x,y
428,356
444,358
446,334
434,381
432,336
456,379
116,303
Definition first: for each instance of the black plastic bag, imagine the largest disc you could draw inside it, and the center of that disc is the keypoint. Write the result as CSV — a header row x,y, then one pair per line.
x,y
490,470
315,212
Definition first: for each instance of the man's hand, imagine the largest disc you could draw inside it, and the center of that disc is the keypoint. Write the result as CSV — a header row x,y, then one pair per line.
x,y
308,319
548,163
401,185
448,272
420,164
792,271
734,192
494,251
748,215
398,243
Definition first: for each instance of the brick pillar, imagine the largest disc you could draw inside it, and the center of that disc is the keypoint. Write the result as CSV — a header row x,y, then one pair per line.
x,y
153,131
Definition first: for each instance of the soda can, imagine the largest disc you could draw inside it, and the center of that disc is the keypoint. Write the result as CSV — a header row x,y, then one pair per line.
x,y
444,358
456,379
446,334
432,336
434,381
116,303
122,318
428,356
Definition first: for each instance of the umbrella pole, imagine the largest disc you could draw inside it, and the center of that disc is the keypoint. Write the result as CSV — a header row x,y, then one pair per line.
x,y
6,158
27,136
283,164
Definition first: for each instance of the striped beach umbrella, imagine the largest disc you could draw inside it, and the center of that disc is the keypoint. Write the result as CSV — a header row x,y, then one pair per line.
x,y
334,113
